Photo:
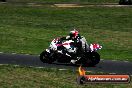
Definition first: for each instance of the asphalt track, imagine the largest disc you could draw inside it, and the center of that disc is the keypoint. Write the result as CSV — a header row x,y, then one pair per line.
x,y
106,66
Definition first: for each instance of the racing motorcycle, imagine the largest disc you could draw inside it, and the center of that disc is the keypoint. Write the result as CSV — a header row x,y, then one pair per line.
x,y
88,55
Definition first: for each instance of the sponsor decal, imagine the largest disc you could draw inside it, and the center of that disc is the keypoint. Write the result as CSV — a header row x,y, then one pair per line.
x,y
83,78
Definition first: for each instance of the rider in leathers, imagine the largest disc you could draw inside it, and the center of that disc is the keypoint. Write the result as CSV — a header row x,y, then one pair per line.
x,y
75,36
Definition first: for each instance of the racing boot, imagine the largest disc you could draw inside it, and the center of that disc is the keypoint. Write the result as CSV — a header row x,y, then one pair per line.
x,y
73,61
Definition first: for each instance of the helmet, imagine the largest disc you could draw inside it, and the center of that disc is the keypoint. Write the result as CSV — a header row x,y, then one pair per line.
x,y
74,34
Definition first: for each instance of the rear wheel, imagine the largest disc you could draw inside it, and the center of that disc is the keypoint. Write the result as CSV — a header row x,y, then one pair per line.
x,y
45,57
95,57
92,59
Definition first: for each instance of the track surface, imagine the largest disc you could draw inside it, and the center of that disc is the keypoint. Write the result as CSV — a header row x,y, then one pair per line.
x,y
107,66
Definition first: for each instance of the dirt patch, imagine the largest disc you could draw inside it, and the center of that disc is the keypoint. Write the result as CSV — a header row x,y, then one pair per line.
x,y
68,5
34,4
81,5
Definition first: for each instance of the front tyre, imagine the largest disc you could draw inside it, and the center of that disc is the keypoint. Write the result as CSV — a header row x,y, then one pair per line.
x,y
45,57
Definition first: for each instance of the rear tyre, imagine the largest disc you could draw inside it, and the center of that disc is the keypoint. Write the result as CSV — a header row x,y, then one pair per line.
x,y
95,58
92,59
45,57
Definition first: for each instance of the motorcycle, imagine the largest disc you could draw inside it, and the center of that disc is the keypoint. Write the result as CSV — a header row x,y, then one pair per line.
x,y
87,56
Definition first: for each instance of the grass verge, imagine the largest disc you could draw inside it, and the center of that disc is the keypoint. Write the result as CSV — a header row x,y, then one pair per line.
x,y
29,77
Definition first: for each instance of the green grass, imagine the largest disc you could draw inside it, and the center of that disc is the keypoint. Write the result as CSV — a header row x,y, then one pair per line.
x,y
69,1
25,29
27,77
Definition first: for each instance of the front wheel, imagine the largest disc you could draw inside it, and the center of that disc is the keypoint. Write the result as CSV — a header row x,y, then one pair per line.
x,y
45,57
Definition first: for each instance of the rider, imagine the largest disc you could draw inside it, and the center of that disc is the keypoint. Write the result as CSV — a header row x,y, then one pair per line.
x,y
75,36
